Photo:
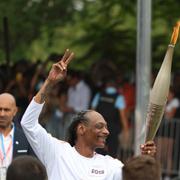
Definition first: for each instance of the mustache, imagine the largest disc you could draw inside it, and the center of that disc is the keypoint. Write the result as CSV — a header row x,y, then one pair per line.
x,y
2,127
3,118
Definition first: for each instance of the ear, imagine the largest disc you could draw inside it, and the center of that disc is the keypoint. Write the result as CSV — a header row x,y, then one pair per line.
x,y
81,129
15,110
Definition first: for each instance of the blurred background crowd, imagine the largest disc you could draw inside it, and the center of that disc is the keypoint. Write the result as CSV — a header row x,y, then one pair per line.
x,y
105,89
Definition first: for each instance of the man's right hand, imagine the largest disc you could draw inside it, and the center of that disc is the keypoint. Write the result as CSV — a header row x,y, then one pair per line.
x,y
57,73
59,69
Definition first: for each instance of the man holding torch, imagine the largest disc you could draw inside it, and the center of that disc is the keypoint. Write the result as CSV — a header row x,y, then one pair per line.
x,y
75,159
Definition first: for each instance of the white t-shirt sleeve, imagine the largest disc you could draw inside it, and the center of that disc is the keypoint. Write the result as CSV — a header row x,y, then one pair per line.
x,y
43,144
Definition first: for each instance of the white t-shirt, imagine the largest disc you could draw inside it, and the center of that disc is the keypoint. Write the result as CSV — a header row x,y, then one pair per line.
x,y
62,161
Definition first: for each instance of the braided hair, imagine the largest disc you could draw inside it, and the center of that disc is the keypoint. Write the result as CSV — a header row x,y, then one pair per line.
x,y
80,117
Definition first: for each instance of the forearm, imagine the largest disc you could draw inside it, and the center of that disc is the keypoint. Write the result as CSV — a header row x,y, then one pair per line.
x,y
36,135
125,126
124,120
42,94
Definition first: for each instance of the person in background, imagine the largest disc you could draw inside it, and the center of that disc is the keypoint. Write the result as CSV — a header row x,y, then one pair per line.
x,y
168,133
78,96
172,104
26,168
111,105
142,167
75,159
18,85
79,93
13,142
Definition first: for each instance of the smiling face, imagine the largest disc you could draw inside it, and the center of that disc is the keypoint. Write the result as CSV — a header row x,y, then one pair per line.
x,y
96,131
8,110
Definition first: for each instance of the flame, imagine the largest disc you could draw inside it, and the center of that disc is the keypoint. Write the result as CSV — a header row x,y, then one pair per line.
x,y
175,33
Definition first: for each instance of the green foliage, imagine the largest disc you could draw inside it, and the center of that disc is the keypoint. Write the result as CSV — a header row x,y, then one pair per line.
x,y
164,17
97,31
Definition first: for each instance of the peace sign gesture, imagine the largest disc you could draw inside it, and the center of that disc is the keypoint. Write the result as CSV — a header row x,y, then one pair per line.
x,y
59,69
58,72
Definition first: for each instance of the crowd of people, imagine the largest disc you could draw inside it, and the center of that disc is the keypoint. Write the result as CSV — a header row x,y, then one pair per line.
x,y
86,123
76,92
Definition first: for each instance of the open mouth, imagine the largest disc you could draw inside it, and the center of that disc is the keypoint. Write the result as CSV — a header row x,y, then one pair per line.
x,y
102,139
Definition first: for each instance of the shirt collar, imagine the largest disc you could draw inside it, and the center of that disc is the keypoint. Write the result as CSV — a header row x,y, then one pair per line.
x,y
11,132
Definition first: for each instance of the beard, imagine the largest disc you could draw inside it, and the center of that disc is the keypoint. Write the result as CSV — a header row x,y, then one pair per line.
x,y
4,123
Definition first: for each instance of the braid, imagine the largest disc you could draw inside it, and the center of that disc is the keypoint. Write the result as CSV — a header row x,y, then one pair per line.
x,y
77,119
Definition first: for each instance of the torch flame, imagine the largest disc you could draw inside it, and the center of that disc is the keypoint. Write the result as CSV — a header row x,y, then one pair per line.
x,y
175,33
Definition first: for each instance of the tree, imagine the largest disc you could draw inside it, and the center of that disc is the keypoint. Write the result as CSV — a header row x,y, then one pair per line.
x,y
96,30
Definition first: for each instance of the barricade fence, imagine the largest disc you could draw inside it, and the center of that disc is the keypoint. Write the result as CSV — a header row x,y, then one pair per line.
x,y
168,148
167,141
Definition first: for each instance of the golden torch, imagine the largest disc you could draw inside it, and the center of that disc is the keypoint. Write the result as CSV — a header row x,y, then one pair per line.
x,y
160,90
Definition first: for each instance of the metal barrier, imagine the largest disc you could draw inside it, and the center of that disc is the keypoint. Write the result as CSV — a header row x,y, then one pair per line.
x,y
167,141
168,148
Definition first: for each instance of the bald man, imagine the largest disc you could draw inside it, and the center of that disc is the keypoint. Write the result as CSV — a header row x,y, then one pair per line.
x,y
13,142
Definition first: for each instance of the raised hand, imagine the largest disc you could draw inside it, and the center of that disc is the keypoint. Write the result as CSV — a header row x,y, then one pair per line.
x,y
59,69
57,73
